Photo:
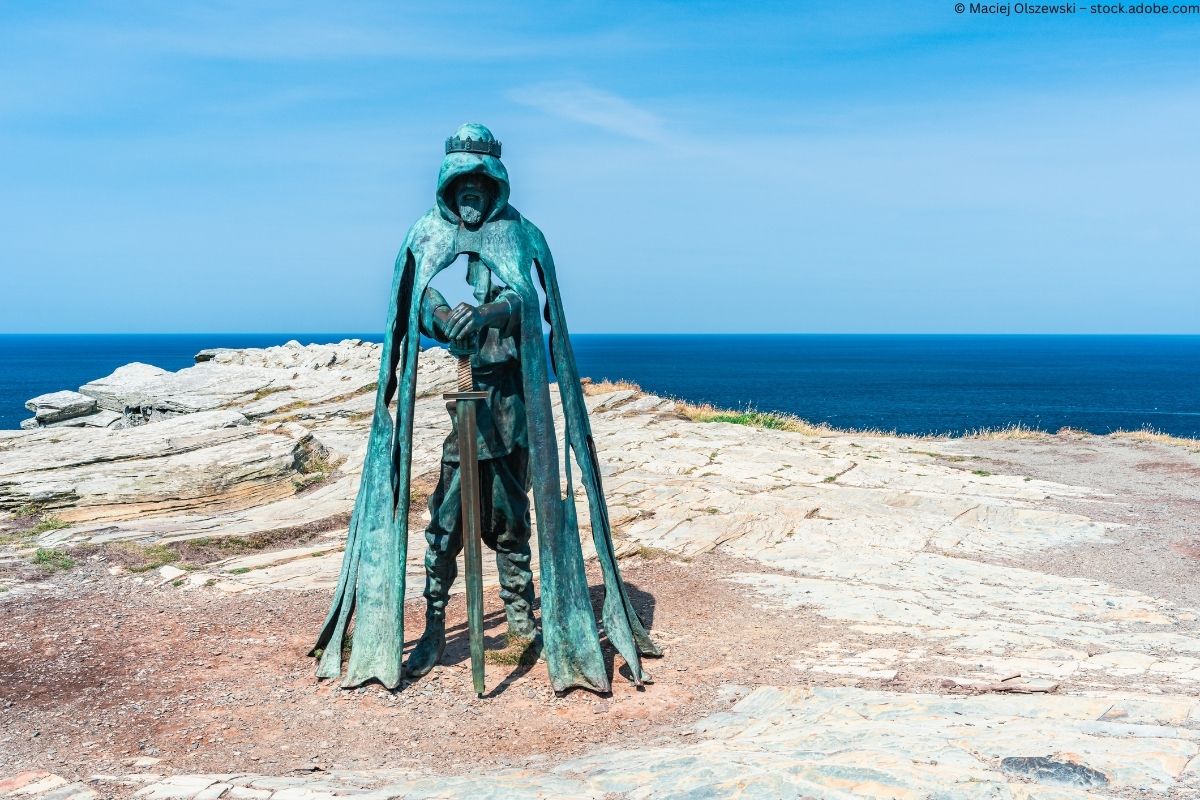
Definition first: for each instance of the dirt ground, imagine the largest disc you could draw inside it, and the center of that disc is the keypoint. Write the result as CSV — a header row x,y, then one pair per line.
x,y
97,671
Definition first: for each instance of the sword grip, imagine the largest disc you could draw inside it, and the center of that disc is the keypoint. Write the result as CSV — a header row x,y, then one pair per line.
x,y
466,379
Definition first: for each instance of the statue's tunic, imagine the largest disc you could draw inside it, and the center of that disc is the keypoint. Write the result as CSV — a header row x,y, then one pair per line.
x,y
497,370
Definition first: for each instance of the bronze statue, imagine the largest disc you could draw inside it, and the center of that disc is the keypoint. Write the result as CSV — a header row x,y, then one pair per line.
x,y
504,394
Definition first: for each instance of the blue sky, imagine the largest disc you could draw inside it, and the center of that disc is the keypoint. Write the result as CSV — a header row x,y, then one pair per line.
x,y
696,167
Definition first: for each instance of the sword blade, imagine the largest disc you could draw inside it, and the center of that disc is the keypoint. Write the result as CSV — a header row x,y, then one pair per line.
x,y
468,476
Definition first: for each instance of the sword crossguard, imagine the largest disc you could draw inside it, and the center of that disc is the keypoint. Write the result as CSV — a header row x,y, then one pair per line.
x,y
465,395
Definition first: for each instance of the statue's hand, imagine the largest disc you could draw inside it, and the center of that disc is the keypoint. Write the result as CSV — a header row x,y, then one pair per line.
x,y
464,321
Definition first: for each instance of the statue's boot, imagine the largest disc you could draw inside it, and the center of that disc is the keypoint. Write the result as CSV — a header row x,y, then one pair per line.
x,y
440,569
516,590
430,647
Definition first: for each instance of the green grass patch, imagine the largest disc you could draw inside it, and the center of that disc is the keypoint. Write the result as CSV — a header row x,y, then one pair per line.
x,y
756,419
236,545
155,555
52,560
28,510
48,524
239,570
983,473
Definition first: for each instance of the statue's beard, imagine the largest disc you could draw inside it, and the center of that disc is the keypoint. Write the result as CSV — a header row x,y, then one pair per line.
x,y
471,214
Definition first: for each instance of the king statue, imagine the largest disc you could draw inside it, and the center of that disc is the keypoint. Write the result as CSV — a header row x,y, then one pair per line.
x,y
504,401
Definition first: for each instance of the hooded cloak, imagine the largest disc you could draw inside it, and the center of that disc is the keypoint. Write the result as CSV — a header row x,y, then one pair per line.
x,y
370,588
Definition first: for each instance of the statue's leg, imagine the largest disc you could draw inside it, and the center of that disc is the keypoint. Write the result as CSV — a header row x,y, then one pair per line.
x,y
444,539
510,527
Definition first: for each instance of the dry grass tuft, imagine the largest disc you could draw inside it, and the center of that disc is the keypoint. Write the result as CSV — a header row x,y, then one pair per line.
x,y
1072,433
267,391
1018,431
606,386
314,465
942,456
295,405
647,553
137,557
517,652
1158,437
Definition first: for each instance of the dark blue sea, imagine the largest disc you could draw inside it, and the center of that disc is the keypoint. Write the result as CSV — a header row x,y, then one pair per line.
x,y
906,383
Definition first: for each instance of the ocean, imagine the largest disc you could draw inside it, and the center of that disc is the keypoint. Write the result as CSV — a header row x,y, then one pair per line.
x,y
905,383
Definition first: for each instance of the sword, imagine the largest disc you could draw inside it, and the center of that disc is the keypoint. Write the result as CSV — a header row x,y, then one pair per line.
x,y
465,400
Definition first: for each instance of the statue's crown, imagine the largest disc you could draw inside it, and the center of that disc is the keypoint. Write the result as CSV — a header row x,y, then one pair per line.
x,y
469,145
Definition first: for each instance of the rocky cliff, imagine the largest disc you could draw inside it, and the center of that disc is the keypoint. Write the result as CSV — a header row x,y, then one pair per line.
x,y
844,614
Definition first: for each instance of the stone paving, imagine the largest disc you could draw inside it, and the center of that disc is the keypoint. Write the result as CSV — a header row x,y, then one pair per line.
x,y
1066,687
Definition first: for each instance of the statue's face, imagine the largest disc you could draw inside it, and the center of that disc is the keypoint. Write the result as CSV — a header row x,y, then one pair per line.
x,y
473,195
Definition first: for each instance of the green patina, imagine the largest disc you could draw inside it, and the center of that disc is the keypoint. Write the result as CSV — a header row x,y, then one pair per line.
x,y
371,585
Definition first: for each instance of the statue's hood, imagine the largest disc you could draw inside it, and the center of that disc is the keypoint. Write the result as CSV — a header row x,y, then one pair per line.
x,y
455,165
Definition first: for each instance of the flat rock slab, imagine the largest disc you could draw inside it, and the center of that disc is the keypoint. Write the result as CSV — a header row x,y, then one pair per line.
x,y
214,460
128,385
57,406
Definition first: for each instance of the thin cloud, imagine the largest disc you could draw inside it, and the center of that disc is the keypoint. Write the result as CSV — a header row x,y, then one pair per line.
x,y
585,104
251,36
